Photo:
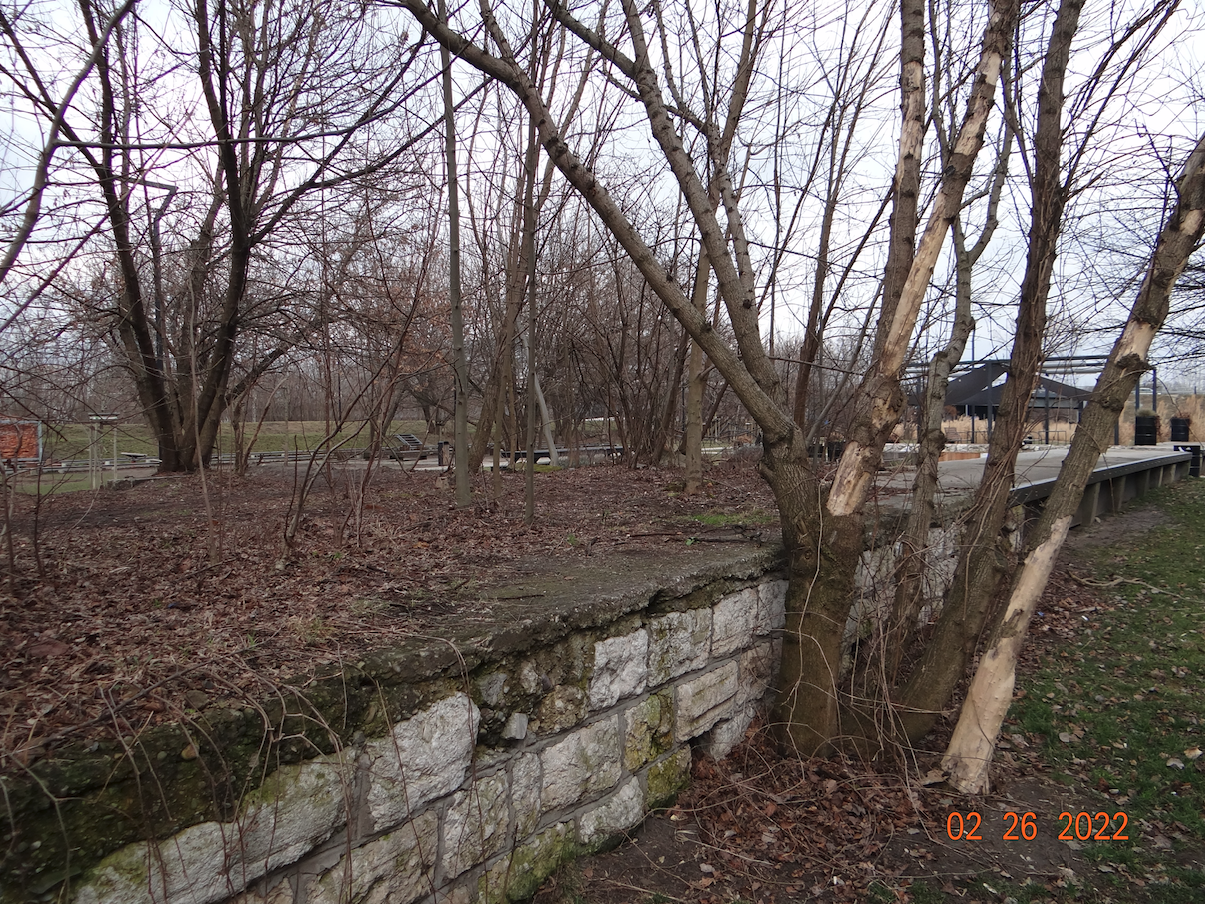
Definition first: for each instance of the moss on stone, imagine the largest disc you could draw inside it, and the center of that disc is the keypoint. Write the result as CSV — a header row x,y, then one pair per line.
x,y
668,778
74,808
518,875
649,730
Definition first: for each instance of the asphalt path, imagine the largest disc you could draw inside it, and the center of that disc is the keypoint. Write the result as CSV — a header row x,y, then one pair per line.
x,y
963,476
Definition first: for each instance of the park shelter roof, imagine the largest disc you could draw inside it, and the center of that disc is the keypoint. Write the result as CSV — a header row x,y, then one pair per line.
x,y
977,388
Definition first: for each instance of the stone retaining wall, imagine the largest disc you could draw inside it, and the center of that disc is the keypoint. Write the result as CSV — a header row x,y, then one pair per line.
x,y
490,781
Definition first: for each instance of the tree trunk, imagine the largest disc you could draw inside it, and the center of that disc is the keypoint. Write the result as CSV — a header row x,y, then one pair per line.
x,y
879,400
906,185
494,401
912,562
984,559
664,426
693,440
460,431
969,755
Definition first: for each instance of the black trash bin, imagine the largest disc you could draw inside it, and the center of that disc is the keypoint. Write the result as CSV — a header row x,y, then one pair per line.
x,y
1146,430
1180,427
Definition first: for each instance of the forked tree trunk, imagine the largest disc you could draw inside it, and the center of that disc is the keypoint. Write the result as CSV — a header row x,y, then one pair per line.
x,y
821,554
969,755
912,563
983,560
822,545
880,400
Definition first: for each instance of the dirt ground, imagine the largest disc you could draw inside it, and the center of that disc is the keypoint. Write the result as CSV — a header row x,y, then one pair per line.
x,y
180,592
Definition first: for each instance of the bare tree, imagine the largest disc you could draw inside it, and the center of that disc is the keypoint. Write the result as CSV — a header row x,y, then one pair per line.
x,y
277,134
823,539
970,751
984,559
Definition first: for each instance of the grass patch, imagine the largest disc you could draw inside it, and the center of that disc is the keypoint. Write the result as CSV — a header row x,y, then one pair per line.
x,y
70,441
56,483
730,519
1120,710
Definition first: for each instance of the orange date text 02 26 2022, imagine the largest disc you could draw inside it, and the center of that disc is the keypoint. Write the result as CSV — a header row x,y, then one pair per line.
x,y
1081,826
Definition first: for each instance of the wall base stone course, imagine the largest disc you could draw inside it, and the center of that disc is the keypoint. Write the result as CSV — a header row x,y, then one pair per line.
x,y
476,824
668,777
758,666
621,811
517,876
394,867
718,742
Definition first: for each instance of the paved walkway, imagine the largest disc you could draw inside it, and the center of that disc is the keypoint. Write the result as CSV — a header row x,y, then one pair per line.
x,y
955,478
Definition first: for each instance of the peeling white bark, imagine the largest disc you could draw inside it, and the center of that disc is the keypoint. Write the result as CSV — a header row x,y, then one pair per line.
x,y
851,483
1136,339
880,391
991,693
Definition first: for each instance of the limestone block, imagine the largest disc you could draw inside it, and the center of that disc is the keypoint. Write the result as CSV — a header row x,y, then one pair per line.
x,y
584,764
620,668
493,688
476,825
727,734
941,558
734,621
423,758
648,730
190,867
525,782
297,808
561,709
705,700
515,728
530,679
759,666
668,777
517,876
678,643
293,810
393,868
772,599
621,811
874,588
